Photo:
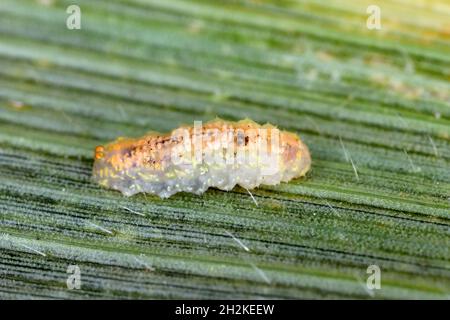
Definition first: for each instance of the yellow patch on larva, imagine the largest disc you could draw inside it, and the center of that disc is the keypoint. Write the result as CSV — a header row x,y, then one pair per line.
x,y
218,154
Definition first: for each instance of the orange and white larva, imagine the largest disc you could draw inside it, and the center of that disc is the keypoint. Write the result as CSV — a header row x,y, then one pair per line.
x,y
219,154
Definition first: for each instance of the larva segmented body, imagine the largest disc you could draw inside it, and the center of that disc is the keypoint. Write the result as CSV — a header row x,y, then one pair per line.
x,y
218,154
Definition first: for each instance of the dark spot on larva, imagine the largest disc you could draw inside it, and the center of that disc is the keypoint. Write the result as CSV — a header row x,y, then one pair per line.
x,y
246,140
163,141
128,153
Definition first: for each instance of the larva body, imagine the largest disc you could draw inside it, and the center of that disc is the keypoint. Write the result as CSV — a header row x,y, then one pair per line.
x,y
218,154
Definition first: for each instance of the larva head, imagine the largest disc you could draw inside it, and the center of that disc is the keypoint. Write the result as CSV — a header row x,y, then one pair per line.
x,y
113,161
295,155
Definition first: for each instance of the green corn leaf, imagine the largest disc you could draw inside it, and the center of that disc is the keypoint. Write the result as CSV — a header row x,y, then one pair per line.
x,y
372,105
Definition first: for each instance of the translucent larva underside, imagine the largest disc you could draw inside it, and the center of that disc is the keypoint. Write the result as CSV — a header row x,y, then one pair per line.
x,y
219,154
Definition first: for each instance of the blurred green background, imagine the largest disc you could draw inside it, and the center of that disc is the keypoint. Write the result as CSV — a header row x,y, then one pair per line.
x,y
372,105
